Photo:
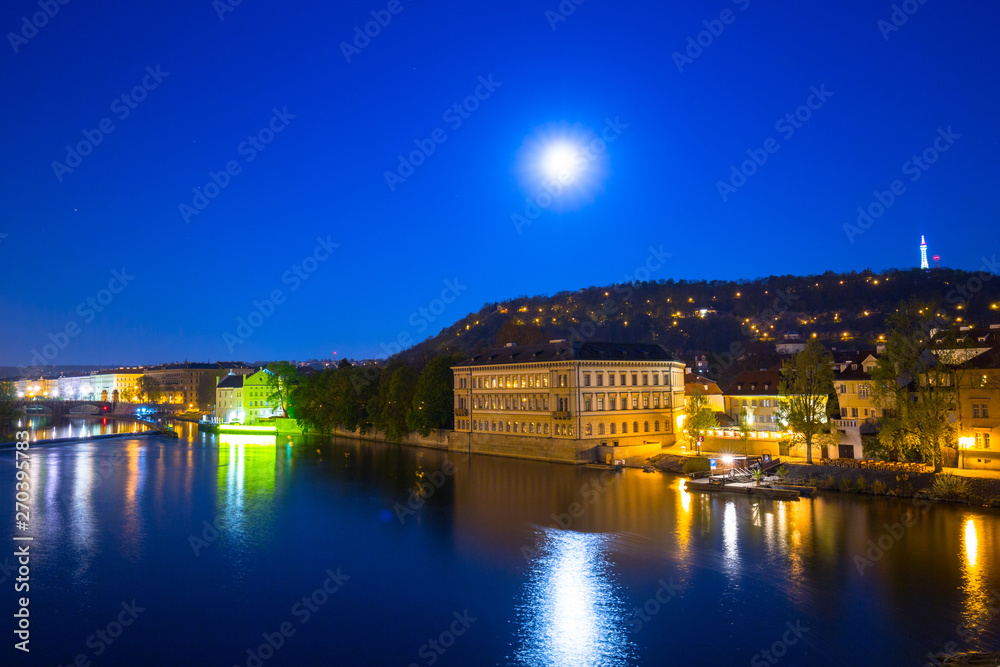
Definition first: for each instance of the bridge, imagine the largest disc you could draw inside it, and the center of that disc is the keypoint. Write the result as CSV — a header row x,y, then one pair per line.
x,y
58,408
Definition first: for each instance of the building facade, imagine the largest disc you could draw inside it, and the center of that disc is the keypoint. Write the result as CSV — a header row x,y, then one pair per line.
x,y
757,393
570,397
978,411
229,400
192,385
256,393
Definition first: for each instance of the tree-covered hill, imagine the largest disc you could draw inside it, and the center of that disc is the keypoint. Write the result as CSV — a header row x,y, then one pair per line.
x,y
844,310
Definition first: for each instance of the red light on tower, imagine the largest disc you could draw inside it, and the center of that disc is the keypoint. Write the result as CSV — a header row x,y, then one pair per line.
x,y
937,258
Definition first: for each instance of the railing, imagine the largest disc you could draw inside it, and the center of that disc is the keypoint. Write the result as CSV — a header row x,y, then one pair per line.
x,y
461,412
561,414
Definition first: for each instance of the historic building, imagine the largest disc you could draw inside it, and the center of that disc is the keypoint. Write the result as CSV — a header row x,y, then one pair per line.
x,y
979,411
562,401
192,385
757,393
229,399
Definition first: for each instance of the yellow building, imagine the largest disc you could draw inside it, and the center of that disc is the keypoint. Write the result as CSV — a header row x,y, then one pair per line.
x,y
256,391
757,393
978,411
853,387
563,401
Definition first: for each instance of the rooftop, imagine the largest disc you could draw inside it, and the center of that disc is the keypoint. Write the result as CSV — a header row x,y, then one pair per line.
x,y
566,351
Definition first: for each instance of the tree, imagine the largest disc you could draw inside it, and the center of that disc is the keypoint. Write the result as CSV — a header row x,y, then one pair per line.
x,y
128,394
743,426
698,417
389,407
282,377
805,385
8,409
150,389
434,397
914,388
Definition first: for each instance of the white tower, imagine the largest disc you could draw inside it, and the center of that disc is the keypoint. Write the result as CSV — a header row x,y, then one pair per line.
x,y
923,253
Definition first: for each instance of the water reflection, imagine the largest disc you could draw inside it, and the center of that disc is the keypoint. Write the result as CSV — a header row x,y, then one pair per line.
x,y
246,482
978,599
572,614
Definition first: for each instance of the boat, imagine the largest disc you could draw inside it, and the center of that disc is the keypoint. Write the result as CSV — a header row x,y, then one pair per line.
x,y
649,469
711,485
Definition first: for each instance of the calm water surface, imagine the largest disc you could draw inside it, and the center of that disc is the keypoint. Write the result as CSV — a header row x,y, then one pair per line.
x,y
224,543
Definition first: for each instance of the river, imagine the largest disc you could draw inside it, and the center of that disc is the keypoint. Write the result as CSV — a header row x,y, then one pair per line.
x,y
240,550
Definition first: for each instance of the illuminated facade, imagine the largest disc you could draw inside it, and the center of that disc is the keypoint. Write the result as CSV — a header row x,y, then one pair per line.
x,y
757,392
229,400
192,385
256,391
923,254
979,411
584,395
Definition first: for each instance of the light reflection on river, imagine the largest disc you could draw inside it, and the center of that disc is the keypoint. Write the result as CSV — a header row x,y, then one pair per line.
x,y
553,562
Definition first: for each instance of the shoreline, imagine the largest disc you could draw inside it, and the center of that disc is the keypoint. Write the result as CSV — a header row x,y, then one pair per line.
x,y
979,491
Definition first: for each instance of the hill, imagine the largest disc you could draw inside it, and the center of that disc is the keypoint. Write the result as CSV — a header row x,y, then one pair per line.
x,y
715,318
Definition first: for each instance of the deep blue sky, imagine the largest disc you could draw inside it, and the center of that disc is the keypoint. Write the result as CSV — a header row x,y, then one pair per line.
x,y
323,175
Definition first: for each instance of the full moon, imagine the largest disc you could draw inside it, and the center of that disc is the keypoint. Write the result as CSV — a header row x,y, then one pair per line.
x,y
561,162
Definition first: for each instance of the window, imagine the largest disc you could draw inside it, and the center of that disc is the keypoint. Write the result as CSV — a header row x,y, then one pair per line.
x,y
656,425
753,403
612,428
586,403
635,427
656,379
635,379
842,388
612,402
645,427
538,428
600,402
635,402
656,400
611,379
854,412
515,427
586,379
623,379
975,410
624,428
588,430
531,428
645,379
600,379
744,402
982,441
864,391
986,411
546,429
645,402
600,429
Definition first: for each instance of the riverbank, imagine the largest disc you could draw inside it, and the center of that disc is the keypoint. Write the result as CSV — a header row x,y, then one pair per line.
x,y
977,490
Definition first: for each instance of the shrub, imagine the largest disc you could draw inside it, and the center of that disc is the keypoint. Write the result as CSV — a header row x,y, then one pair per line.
x,y
903,485
830,482
879,487
782,471
695,464
845,485
950,487
861,484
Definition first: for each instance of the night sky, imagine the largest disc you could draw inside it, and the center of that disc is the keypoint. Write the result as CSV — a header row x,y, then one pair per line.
x,y
308,129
